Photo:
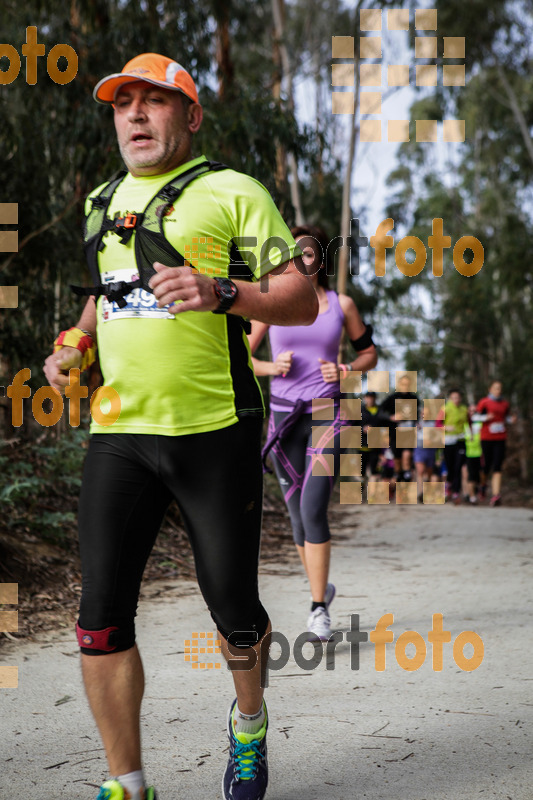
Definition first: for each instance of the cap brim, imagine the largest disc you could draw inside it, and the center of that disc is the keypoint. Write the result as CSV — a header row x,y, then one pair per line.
x,y
106,89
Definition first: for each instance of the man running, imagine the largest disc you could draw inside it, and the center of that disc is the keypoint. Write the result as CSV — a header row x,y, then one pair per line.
x,y
392,406
172,344
371,417
454,416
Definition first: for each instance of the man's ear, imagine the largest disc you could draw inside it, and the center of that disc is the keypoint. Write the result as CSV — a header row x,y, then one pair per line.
x,y
196,116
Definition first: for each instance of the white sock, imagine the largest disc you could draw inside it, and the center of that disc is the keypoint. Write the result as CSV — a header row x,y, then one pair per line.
x,y
134,783
248,723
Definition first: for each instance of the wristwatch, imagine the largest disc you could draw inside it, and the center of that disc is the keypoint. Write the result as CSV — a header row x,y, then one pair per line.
x,y
226,292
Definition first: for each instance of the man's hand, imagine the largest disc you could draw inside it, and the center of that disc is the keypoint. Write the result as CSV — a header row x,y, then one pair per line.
x,y
57,366
329,370
184,287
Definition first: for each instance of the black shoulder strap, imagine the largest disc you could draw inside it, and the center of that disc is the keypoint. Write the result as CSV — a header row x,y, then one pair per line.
x,y
151,243
160,203
94,228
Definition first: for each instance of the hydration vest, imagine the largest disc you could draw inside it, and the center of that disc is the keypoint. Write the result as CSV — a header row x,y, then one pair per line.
x,y
151,243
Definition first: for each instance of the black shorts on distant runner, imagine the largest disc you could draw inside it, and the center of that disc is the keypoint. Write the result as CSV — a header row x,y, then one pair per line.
x,y
493,455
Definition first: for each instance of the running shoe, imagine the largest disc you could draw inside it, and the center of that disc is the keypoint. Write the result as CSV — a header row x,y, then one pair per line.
x,y
329,595
456,499
496,500
319,621
246,776
319,625
473,500
113,790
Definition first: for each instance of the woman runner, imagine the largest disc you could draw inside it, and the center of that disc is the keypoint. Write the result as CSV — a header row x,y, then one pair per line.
x,y
305,367
493,436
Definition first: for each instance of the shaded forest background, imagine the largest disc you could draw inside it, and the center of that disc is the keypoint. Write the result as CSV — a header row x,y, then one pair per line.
x,y
56,144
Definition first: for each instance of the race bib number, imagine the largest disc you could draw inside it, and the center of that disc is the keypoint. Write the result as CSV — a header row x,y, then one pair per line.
x,y
139,302
497,427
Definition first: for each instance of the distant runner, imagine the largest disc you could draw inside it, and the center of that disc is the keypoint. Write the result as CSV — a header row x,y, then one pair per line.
x,y
392,407
455,417
496,412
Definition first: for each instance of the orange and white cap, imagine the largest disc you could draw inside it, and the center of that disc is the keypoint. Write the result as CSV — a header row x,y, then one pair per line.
x,y
149,67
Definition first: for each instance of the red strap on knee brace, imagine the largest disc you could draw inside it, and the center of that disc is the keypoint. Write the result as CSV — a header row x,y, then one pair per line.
x,y
96,640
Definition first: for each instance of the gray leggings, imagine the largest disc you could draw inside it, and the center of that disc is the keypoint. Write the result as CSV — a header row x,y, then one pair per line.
x,y
306,495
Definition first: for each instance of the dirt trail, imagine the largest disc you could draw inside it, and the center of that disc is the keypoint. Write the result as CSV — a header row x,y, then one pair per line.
x,y
337,731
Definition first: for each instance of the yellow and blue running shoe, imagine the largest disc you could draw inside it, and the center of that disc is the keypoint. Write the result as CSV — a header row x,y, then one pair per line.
x,y
246,776
113,790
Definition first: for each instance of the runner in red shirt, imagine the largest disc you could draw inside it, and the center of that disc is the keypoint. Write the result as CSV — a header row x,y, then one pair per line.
x,y
495,411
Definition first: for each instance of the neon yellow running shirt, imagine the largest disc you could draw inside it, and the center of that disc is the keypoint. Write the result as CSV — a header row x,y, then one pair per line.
x,y
192,372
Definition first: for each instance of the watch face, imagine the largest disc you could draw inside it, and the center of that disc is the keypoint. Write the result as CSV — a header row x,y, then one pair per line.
x,y
226,291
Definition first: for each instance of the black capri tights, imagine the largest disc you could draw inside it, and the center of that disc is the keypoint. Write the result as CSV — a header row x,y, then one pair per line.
x,y
307,495
493,455
129,481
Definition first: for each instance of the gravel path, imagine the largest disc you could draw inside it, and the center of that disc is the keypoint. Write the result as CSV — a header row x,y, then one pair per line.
x,y
337,732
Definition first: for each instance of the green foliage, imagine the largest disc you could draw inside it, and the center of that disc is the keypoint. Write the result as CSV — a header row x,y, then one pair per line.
x,y
56,143
39,486
478,327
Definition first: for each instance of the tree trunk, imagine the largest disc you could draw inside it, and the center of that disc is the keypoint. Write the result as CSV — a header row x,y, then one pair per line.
x,y
342,274
278,15
517,111
281,153
225,67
